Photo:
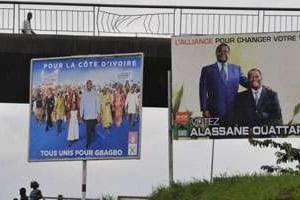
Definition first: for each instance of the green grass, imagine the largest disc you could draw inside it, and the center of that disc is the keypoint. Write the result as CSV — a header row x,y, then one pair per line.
x,y
257,187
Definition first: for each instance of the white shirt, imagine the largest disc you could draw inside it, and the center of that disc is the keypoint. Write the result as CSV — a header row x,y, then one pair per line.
x,y
27,27
225,68
132,102
89,105
256,92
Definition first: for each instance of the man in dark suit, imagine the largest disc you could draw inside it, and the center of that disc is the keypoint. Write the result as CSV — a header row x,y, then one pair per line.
x,y
49,104
257,106
219,83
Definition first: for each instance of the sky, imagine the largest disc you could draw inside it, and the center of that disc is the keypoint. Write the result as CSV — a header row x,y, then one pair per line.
x,y
128,177
121,177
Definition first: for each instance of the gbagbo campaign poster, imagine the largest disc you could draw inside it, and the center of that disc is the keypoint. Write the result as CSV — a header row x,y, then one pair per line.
x,y
86,107
247,87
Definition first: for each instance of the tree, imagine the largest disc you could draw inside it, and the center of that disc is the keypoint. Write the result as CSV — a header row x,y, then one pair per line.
x,y
287,154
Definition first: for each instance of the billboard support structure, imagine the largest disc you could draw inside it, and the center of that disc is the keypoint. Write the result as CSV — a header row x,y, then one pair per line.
x,y
170,138
84,175
212,161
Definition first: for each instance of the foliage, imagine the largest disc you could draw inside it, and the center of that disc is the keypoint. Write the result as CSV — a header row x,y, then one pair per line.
x,y
287,154
295,112
177,100
107,197
243,187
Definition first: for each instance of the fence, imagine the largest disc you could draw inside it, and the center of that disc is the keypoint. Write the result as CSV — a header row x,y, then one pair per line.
x,y
60,197
68,198
142,20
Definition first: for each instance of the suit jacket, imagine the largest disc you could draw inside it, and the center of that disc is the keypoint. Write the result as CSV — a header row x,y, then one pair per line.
x,y
49,102
216,95
266,112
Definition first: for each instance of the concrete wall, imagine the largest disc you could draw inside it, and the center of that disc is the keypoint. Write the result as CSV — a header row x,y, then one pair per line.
x,y
16,51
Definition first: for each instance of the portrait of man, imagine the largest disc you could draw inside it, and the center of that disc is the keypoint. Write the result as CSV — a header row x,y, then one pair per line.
x,y
259,105
219,83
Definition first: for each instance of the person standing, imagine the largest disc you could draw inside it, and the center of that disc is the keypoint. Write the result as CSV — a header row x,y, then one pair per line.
x,y
23,195
138,94
131,104
219,83
118,105
60,111
49,103
73,132
27,25
89,111
36,193
71,98
38,106
106,109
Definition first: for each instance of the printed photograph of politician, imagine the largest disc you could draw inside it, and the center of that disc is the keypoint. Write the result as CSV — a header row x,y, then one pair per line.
x,y
86,107
250,83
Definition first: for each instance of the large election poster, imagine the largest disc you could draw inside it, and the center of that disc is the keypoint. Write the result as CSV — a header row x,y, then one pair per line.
x,y
236,86
86,107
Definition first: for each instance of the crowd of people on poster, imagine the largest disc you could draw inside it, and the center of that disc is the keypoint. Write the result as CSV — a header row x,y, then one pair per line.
x,y
62,104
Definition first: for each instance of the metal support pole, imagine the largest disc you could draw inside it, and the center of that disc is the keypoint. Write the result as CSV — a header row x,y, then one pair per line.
x,y
56,22
180,22
14,17
260,26
174,22
84,175
212,161
170,138
19,20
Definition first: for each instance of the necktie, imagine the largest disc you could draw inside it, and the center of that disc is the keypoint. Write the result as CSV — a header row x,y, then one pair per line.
x,y
256,97
223,72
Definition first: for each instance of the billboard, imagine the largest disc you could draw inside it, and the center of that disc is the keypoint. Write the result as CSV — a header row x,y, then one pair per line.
x,y
236,86
86,107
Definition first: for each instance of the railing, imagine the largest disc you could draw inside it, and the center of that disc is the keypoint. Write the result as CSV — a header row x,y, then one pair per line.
x,y
139,20
60,197
67,198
